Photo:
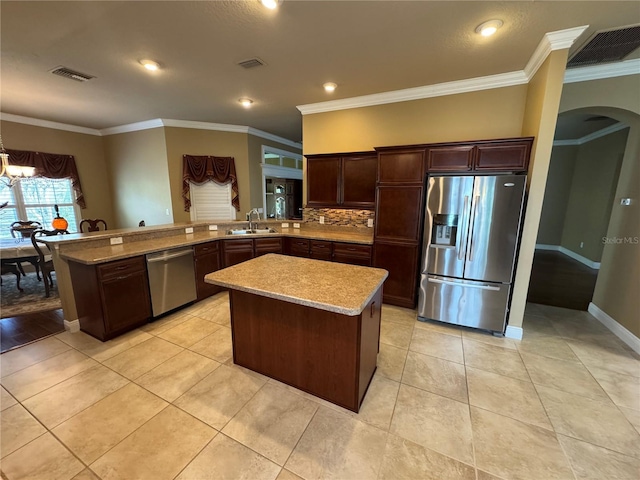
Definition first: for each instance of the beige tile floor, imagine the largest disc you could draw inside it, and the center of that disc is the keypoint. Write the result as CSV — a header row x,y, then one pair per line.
x,y
166,401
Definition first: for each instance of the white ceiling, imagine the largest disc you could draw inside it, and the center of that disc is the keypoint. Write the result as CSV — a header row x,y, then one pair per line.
x,y
365,47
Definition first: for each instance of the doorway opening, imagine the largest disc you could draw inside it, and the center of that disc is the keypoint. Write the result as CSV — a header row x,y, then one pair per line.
x,y
281,184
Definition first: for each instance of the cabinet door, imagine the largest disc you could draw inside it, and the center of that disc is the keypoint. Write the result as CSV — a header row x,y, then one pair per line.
x,y
401,167
320,250
359,181
352,253
399,213
205,264
298,247
125,301
457,158
323,182
401,261
237,251
504,156
267,245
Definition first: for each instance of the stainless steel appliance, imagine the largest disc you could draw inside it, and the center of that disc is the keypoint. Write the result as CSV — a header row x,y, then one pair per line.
x,y
471,233
172,280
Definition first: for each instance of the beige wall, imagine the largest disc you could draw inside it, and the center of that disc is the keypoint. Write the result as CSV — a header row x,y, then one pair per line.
x,y
619,275
181,141
89,155
139,177
592,194
543,99
495,113
556,194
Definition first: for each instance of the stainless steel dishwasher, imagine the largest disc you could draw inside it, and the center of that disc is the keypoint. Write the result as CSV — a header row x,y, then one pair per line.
x,y
172,280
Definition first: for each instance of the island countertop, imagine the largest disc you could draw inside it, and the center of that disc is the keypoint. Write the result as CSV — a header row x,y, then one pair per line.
x,y
335,287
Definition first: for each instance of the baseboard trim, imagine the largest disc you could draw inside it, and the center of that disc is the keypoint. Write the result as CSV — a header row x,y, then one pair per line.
x,y
72,326
618,330
513,332
569,253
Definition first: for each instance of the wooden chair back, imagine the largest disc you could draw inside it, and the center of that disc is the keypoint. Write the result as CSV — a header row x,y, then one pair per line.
x,y
24,228
93,225
45,265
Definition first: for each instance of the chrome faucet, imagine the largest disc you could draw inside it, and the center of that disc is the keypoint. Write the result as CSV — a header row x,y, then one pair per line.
x,y
250,216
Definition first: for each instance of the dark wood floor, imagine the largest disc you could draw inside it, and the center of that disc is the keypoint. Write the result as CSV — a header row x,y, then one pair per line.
x,y
561,281
23,329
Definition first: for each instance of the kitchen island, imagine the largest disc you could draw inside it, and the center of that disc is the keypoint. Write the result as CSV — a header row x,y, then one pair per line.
x,y
311,324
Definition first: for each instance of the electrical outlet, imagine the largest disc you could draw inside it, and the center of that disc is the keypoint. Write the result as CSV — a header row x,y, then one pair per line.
x,y
581,244
115,240
296,225
321,220
188,230
284,225
213,227
370,222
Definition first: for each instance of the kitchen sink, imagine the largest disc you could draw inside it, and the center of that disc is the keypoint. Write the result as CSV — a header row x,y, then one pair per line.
x,y
256,231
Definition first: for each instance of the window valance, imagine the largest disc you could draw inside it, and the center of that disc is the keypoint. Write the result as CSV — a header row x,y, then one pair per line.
x,y
50,165
203,168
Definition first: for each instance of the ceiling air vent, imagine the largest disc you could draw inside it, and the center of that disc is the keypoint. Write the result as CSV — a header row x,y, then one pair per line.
x,y
607,46
72,74
252,62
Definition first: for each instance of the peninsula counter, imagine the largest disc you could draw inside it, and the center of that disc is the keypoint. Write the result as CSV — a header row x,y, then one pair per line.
x,y
311,324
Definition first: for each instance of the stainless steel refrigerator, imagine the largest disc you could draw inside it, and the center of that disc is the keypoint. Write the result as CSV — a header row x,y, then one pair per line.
x,y
471,233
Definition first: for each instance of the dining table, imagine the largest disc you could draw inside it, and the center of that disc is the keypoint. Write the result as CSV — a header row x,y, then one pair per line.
x,y
14,251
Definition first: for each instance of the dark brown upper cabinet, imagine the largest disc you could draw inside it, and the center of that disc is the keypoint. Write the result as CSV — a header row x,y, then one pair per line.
x,y
343,180
405,166
450,159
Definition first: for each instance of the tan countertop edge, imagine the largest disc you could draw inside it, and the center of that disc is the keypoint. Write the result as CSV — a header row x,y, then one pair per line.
x,y
334,287
96,255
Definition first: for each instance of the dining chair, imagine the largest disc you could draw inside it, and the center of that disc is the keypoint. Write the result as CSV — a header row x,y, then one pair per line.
x,y
45,264
92,225
24,228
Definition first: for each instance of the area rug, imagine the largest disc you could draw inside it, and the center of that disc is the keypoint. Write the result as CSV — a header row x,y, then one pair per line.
x,y
30,300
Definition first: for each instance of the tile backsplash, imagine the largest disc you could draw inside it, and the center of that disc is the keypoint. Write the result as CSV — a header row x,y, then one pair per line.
x,y
338,217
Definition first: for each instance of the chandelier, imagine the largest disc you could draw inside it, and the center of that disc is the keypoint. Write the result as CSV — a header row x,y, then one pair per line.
x,y
13,172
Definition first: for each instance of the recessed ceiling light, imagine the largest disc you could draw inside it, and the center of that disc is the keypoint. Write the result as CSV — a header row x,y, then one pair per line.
x,y
330,86
271,4
245,102
150,65
488,28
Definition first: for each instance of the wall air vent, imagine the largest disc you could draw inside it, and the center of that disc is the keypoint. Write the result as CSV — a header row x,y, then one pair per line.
x,y
607,46
252,62
72,74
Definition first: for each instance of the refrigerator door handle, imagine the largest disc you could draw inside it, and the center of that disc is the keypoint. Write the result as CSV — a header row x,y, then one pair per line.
x,y
465,285
473,219
463,242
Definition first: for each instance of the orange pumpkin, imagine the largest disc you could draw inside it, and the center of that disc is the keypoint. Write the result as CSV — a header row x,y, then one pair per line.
x,y
59,223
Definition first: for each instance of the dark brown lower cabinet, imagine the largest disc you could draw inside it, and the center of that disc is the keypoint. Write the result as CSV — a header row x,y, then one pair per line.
x,y
237,251
207,260
297,247
352,253
111,298
401,261
320,250
263,246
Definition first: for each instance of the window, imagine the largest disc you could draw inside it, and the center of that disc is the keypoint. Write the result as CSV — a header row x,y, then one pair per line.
x,y
33,199
211,201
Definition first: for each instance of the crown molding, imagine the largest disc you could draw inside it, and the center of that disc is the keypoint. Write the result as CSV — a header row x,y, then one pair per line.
x,y
36,122
418,93
132,127
551,41
616,127
607,70
275,138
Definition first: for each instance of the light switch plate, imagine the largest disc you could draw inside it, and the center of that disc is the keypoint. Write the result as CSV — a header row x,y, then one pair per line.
x,y
296,225
370,222
115,240
213,227
625,201
285,225
188,230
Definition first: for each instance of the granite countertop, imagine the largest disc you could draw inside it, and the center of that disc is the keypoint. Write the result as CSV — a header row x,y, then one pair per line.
x,y
95,255
335,287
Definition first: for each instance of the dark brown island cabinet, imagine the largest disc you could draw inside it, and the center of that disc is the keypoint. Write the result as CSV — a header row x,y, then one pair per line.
x,y
343,180
242,249
401,181
111,298
207,260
